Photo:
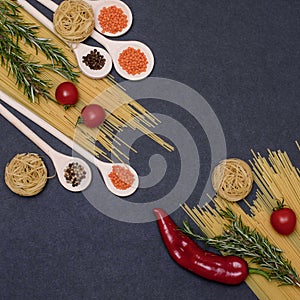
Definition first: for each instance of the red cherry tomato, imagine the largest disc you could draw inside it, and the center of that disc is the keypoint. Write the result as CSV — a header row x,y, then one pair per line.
x,y
283,220
93,115
66,94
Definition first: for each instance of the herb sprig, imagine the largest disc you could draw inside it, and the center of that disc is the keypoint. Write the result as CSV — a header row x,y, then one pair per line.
x,y
22,66
240,240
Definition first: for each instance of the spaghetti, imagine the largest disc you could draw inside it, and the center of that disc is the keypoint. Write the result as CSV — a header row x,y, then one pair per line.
x,y
275,177
123,112
74,20
26,174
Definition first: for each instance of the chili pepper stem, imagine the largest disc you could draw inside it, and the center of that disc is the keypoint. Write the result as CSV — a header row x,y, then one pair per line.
x,y
259,272
188,231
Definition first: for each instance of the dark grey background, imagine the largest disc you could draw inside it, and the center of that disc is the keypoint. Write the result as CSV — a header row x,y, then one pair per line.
x,y
243,58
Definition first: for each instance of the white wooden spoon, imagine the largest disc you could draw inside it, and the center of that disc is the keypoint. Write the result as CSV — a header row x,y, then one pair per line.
x,y
60,161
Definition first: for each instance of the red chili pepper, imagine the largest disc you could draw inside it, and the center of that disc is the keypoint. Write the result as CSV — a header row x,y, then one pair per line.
x,y
229,269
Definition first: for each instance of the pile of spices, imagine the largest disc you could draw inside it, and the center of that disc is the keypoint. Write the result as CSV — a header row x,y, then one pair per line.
x,y
121,177
112,19
133,61
74,173
94,60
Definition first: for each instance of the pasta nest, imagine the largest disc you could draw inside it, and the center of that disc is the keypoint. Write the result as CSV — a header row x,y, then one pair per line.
x,y
74,20
26,174
232,179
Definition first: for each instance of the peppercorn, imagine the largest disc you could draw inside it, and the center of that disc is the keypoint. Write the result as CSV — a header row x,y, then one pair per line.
x,y
94,60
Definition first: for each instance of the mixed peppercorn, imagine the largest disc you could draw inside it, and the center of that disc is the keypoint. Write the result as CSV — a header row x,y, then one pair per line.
x,y
74,173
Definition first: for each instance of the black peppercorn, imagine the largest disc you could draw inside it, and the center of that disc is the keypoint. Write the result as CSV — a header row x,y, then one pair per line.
x,y
94,60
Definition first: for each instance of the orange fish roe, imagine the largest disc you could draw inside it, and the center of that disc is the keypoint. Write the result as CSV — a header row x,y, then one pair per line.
x,y
133,61
112,19
121,177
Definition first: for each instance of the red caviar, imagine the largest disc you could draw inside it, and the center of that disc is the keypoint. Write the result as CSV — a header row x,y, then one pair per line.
x,y
121,177
133,61
112,19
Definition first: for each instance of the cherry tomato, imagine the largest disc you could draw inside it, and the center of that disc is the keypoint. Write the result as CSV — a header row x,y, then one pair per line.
x,y
93,115
283,220
66,94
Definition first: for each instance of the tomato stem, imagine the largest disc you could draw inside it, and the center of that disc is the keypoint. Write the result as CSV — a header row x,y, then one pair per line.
x,y
280,205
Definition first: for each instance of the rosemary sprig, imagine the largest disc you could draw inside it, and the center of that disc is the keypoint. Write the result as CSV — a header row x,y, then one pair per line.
x,y
23,69
22,66
240,240
27,32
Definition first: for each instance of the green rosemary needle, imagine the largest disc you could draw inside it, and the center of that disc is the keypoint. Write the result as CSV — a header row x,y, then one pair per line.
x,y
240,240
23,67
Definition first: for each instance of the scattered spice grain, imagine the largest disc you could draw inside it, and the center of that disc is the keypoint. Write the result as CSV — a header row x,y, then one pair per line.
x,y
112,19
121,177
133,61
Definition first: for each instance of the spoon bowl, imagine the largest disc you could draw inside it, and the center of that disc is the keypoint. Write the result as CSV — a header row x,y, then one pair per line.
x,y
106,168
115,48
60,161
98,5
80,50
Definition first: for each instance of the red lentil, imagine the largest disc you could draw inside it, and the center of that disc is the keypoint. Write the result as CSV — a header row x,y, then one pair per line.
x,y
133,61
112,19
121,177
